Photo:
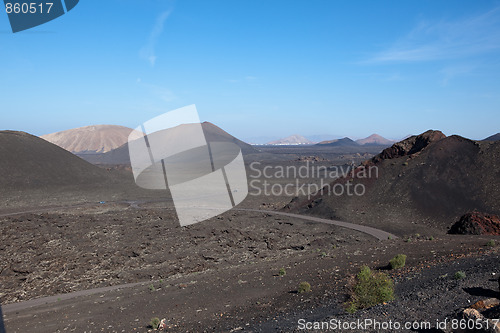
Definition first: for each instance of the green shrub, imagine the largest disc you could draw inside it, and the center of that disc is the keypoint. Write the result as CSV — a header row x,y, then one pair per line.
x,y
371,288
431,238
152,287
351,307
282,272
304,287
398,261
491,243
155,322
459,275
405,163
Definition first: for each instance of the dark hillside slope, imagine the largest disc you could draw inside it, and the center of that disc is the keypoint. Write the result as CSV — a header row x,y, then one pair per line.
x,y
29,162
426,180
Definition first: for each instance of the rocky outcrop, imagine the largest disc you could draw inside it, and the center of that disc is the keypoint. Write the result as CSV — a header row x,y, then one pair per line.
x,y
476,223
410,146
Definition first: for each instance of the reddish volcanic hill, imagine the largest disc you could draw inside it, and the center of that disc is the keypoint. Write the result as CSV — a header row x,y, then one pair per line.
x,y
90,139
428,180
375,139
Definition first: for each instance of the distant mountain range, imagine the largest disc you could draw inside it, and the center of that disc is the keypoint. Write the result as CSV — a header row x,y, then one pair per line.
x,y
374,139
292,140
90,139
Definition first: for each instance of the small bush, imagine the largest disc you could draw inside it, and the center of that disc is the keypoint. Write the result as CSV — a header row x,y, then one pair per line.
x,y
370,289
152,287
323,254
431,238
351,307
282,272
405,163
459,275
398,261
155,322
304,287
491,243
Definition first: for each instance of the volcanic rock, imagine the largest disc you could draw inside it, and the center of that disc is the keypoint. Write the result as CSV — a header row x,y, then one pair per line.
x,y
476,223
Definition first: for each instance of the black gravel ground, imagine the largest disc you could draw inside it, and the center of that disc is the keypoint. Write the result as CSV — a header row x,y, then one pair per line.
x,y
424,298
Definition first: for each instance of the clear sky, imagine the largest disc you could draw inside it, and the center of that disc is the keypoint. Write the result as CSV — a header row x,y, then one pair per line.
x,y
259,68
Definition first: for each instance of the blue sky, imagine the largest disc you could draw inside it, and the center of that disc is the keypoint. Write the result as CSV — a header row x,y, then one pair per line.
x,y
259,68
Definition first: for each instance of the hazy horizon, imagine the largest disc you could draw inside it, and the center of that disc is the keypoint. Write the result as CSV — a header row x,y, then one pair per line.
x,y
260,69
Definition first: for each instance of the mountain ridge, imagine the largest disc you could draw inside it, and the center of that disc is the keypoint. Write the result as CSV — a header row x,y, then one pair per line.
x,y
90,139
